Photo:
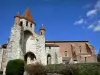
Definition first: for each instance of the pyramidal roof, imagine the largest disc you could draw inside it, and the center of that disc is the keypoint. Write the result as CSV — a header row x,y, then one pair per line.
x,y
42,28
27,15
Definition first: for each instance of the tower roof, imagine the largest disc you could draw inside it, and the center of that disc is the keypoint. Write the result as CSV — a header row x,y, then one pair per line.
x,y
17,15
42,28
27,15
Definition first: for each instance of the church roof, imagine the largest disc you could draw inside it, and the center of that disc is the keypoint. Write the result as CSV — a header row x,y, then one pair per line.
x,y
27,15
17,15
51,45
64,41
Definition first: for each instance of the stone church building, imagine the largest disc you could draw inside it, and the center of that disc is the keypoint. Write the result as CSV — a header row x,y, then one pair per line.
x,y
25,43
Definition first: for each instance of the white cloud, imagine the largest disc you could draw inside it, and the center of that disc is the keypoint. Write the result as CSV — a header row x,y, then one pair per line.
x,y
91,26
79,22
97,28
91,12
95,10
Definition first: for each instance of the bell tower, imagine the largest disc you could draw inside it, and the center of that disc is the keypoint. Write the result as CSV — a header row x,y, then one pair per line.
x,y
42,30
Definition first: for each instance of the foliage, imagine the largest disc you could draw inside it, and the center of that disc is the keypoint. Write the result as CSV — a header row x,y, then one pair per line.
x,y
35,69
62,69
15,67
98,56
75,69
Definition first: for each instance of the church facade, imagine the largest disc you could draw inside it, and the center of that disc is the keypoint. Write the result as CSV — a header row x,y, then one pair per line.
x,y
24,43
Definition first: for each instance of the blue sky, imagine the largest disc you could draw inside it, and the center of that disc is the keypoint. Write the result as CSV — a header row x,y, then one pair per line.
x,y
63,19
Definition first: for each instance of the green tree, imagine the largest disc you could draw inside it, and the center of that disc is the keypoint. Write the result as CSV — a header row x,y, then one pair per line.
x,y
15,67
98,56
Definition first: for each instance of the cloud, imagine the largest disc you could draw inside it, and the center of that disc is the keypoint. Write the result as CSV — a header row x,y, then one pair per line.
x,y
92,18
91,26
97,28
95,10
79,22
91,12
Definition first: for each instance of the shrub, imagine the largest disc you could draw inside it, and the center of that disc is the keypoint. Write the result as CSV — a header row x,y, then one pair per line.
x,y
62,69
15,67
35,69
89,68
75,69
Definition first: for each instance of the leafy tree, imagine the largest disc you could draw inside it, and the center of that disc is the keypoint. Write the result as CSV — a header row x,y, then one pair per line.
x,y
15,67
35,69
98,56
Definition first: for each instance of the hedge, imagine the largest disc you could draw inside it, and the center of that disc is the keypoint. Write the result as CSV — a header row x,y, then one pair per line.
x,y
75,69
15,67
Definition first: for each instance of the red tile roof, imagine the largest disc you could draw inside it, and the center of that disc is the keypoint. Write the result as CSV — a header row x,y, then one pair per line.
x,y
64,41
27,15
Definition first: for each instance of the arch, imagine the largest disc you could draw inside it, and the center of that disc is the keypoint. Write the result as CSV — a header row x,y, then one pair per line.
x,y
74,56
48,59
27,39
30,55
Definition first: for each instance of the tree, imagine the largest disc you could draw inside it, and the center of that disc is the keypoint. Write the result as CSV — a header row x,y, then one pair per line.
x,y
98,56
15,67
35,69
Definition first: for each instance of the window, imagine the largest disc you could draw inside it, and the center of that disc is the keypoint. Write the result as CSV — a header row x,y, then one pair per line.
x,y
41,33
49,47
80,48
26,23
31,25
65,53
21,23
85,59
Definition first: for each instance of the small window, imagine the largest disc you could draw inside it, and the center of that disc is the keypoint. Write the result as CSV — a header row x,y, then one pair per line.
x,y
80,48
49,47
31,25
65,53
26,23
85,59
41,33
21,23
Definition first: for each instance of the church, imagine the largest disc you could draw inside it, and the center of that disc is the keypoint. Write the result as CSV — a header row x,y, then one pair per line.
x,y
24,43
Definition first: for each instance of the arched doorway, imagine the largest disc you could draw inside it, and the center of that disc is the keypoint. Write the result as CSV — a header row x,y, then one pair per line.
x,y
74,57
27,44
29,57
48,59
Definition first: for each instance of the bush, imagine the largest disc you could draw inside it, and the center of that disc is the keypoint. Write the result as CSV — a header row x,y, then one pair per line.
x,y
89,69
35,69
15,67
75,69
62,69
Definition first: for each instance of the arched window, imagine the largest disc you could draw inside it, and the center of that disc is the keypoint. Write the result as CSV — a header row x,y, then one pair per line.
x,y
85,59
80,48
21,23
41,33
26,23
65,53
31,25
48,59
